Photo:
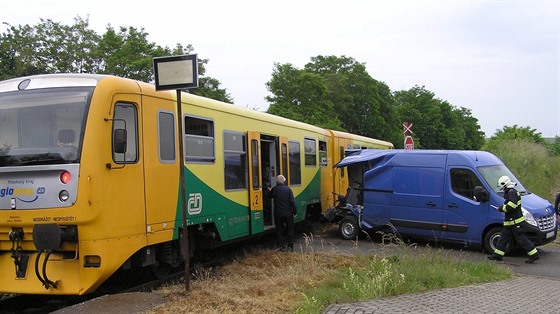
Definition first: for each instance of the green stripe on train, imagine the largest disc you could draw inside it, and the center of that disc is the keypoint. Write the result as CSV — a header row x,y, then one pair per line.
x,y
230,218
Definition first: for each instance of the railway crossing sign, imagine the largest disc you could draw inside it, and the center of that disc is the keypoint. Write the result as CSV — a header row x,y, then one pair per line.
x,y
407,128
408,142
407,131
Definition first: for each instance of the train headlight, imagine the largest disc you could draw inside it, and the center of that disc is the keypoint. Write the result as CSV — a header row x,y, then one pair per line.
x,y
65,177
63,195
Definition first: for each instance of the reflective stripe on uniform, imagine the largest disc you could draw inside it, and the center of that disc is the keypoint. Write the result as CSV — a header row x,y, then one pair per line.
x,y
532,252
513,205
499,252
514,222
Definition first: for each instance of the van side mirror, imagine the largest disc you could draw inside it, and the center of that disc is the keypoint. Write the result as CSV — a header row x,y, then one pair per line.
x,y
119,141
480,194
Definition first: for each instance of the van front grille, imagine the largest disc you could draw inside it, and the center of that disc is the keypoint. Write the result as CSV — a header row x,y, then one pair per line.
x,y
546,223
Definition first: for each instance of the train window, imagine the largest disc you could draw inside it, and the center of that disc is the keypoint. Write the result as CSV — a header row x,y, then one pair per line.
x,y
255,164
166,137
310,151
323,153
235,160
126,118
295,163
199,140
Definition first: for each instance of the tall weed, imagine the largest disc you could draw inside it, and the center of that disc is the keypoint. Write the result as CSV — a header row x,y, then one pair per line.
x,y
532,164
408,272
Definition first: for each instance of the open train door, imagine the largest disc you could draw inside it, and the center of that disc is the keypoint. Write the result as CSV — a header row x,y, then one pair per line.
x,y
255,192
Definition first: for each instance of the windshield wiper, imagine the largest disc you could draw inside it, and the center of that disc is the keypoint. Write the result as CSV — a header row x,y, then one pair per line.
x,y
26,160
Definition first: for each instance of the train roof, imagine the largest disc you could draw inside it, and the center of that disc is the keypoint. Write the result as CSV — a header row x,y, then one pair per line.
x,y
92,80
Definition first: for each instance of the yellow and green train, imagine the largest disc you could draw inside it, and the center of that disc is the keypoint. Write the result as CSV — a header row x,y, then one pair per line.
x,y
90,167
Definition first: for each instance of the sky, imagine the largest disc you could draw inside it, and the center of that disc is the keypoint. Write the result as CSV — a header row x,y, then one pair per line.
x,y
500,59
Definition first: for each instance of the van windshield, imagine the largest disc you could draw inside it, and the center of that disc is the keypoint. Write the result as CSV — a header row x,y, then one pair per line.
x,y
491,174
41,127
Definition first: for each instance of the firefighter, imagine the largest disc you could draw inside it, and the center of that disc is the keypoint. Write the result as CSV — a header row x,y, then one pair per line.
x,y
513,223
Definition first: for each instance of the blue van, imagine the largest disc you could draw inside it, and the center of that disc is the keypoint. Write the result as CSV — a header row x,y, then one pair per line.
x,y
436,194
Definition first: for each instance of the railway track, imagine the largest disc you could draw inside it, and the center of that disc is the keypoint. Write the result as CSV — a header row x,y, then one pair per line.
x,y
127,281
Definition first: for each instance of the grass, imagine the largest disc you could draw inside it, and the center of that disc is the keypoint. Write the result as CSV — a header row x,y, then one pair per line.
x,y
532,164
306,281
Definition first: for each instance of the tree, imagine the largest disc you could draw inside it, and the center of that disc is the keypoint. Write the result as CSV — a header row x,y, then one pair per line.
x,y
438,124
17,47
300,96
210,88
336,93
513,133
364,105
555,147
50,47
473,137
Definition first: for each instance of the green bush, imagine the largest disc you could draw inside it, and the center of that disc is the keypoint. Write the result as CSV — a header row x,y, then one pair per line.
x,y
531,163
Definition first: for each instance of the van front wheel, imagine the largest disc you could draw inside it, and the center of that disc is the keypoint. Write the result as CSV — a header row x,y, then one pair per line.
x,y
491,241
348,227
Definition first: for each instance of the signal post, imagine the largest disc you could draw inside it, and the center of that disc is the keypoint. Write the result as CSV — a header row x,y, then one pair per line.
x,y
407,131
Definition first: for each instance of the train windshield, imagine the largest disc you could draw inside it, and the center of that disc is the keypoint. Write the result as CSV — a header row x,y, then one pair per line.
x,y
42,127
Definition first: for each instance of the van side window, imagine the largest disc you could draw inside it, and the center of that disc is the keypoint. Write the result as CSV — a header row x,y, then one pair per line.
x,y
463,182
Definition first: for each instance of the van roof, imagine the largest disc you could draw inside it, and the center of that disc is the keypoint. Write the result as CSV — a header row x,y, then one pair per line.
x,y
480,157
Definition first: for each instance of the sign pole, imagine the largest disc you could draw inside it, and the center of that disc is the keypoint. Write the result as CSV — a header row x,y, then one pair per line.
x,y
183,192
179,72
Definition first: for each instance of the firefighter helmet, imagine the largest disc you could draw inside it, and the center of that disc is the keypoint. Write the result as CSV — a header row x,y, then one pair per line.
x,y
503,182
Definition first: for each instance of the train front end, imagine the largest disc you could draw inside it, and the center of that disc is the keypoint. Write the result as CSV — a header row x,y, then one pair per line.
x,y
42,122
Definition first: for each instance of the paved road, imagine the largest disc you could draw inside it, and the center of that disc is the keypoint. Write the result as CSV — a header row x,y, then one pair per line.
x,y
522,295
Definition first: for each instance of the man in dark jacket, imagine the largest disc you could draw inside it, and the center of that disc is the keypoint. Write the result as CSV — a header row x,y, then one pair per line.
x,y
513,223
557,204
284,212
557,209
